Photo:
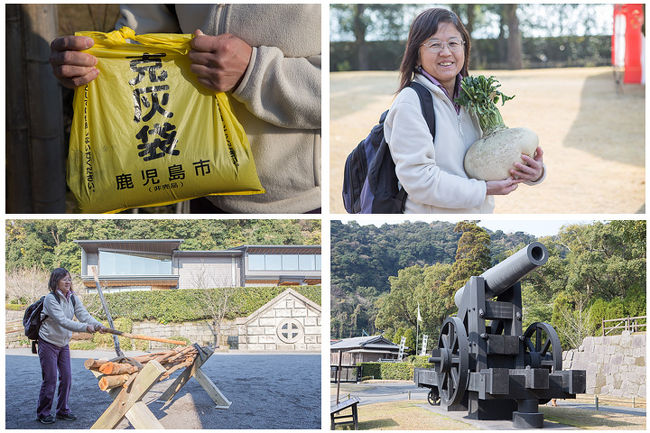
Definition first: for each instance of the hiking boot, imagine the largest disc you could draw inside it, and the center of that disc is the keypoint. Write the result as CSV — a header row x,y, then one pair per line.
x,y
49,419
66,416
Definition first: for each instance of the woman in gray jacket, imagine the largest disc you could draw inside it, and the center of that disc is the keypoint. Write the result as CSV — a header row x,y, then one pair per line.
x,y
59,307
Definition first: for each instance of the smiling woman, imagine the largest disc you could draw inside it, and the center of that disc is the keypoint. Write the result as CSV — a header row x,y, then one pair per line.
x,y
430,168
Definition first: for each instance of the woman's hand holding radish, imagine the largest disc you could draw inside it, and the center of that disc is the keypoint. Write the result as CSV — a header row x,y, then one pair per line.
x,y
531,169
502,187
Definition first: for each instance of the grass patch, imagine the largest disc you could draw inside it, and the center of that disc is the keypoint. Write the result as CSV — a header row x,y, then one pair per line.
x,y
589,419
403,415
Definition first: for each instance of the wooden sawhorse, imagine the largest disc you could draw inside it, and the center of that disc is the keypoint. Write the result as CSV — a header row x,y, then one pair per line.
x,y
127,402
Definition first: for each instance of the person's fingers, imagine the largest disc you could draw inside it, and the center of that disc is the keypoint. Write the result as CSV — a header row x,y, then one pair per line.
x,y
539,153
74,43
200,71
523,168
69,71
206,83
202,57
75,58
75,82
201,42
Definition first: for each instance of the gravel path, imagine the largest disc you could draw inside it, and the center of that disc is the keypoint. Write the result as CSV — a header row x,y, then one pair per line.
x,y
269,391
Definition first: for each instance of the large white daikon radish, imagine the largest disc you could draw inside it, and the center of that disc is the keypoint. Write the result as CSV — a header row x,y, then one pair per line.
x,y
492,157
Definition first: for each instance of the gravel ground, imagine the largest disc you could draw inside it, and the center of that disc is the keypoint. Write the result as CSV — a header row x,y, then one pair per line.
x,y
263,389
593,137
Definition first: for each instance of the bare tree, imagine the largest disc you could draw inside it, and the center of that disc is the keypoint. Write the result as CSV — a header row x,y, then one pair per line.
x,y
216,304
214,298
578,324
26,285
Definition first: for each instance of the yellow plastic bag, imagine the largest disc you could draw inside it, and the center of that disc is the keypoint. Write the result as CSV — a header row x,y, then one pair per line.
x,y
146,133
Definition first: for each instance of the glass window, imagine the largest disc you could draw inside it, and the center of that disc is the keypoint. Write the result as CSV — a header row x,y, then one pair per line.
x,y
307,262
289,262
112,263
317,260
256,262
273,262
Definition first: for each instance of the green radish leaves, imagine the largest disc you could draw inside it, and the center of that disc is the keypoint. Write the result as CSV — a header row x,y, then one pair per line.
x,y
480,95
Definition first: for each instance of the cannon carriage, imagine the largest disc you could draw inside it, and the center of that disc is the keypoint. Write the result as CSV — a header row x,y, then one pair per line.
x,y
486,364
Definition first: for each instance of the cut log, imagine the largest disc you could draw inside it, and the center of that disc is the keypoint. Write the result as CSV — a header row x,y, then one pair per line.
x,y
118,368
183,364
94,364
108,382
185,351
162,356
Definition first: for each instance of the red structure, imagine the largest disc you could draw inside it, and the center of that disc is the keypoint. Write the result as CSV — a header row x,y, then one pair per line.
x,y
627,41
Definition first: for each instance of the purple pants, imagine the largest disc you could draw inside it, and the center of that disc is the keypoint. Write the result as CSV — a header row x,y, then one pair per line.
x,y
54,358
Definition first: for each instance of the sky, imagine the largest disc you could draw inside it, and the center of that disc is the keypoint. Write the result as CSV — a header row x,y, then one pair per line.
x,y
537,228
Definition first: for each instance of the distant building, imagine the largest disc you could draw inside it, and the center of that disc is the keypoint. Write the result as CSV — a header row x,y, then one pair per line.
x,y
362,349
159,264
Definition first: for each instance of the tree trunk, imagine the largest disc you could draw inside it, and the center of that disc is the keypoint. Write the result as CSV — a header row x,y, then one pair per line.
x,y
359,31
514,38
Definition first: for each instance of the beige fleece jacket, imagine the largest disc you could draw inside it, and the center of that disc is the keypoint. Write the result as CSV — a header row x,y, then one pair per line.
x,y
278,101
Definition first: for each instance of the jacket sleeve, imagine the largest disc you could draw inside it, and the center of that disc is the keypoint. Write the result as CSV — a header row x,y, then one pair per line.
x,y
54,312
147,18
283,91
414,155
82,314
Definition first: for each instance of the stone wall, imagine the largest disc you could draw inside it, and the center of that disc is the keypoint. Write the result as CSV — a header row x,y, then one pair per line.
x,y
291,323
615,364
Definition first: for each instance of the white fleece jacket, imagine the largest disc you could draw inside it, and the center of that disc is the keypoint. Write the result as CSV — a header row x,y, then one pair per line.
x,y
278,101
58,327
431,172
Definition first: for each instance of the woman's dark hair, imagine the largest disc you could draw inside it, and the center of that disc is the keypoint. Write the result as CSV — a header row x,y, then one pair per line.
x,y
425,25
57,275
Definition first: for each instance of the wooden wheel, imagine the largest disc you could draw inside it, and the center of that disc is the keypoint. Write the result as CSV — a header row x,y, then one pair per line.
x,y
542,347
433,397
451,361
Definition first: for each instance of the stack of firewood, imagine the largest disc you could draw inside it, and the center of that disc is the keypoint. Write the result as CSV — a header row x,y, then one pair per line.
x,y
115,374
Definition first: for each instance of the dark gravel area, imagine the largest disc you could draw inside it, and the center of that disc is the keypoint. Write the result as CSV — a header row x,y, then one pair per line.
x,y
267,391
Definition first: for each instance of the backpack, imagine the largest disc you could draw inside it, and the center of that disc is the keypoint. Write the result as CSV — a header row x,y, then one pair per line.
x,y
32,319
370,184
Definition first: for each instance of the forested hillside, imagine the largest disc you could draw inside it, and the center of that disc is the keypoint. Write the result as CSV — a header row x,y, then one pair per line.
x,y
46,244
381,274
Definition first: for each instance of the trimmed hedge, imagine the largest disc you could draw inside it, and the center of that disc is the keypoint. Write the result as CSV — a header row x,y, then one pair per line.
x,y
394,370
176,306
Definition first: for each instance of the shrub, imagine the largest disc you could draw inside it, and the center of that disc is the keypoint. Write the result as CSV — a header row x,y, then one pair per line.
x,y
388,370
176,306
82,345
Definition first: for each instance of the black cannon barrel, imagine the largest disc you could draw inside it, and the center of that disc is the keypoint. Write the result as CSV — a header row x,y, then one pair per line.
x,y
503,275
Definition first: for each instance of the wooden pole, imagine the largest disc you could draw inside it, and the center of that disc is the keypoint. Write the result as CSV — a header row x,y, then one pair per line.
x,y
19,186
44,110
145,337
338,378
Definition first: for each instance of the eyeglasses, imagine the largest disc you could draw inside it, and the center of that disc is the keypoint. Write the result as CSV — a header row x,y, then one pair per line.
x,y
437,46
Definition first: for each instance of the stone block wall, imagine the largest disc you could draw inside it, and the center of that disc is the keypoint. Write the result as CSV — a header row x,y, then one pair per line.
x,y
615,364
286,325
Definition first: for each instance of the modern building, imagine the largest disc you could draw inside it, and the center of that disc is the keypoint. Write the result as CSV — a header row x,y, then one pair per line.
x,y
160,264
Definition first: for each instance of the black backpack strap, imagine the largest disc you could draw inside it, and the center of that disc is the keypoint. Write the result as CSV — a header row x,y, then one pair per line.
x,y
426,103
